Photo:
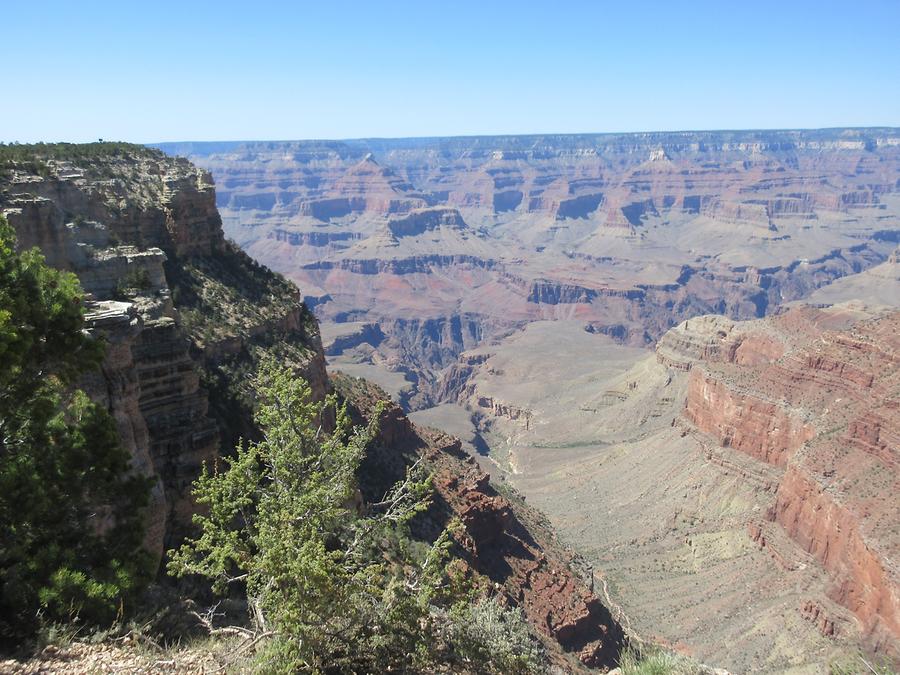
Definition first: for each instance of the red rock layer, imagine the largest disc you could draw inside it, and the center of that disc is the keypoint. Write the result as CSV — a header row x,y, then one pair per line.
x,y
502,541
816,392
744,422
554,600
832,534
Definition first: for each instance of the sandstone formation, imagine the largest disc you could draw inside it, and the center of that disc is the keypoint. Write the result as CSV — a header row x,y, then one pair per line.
x,y
826,409
117,387
508,288
734,492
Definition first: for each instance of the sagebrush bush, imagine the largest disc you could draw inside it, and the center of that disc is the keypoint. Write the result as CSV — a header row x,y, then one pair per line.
x,y
656,661
493,638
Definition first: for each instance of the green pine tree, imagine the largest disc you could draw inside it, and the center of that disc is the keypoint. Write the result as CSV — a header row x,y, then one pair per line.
x,y
70,509
333,581
336,584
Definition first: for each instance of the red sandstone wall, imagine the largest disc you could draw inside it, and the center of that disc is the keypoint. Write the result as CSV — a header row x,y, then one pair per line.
x,y
743,422
832,534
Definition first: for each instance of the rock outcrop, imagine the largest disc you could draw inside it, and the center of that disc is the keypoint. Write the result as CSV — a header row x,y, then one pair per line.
x,y
502,540
735,492
745,422
141,231
117,386
424,220
365,187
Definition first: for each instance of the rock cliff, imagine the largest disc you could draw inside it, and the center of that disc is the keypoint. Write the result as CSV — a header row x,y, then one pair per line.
x,y
180,308
735,490
815,393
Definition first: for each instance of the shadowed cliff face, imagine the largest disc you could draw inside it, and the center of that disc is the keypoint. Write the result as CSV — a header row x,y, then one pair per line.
x,y
185,314
631,233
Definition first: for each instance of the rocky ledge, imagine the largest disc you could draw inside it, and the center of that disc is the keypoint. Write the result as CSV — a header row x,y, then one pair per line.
x,y
503,541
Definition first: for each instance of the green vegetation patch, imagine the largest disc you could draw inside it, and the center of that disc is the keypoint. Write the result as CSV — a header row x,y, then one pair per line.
x,y
71,509
33,157
223,296
335,584
657,661
235,309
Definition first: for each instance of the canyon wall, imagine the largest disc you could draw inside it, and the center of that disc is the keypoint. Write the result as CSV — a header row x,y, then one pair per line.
x,y
735,491
814,393
142,231
502,541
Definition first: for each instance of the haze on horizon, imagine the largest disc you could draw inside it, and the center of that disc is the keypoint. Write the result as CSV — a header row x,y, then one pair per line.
x,y
280,70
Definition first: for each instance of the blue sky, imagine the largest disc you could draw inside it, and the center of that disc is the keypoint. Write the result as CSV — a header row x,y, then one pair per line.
x,y
171,71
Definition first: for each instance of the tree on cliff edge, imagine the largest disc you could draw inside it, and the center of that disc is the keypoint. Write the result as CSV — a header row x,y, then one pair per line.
x,y
338,585
70,510
283,520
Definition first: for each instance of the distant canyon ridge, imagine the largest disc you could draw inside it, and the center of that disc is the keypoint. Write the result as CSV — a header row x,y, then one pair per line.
x,y
423,248
731,480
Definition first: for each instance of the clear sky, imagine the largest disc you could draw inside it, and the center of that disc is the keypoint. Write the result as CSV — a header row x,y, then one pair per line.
x,y
258,69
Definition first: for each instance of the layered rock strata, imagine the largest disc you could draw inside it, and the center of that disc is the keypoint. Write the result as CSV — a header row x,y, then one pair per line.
x,y
735,491
188,317
135,226
814,393
632,233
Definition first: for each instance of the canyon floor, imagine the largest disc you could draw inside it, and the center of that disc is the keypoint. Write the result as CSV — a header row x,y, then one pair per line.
x,y
594,434
732,481
662,521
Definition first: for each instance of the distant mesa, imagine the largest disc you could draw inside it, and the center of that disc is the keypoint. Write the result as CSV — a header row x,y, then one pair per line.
x,y
423,220
366,187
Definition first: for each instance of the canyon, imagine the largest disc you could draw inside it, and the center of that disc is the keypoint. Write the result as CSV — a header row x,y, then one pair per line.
x,y
447,243
655,376
680,347
186,318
